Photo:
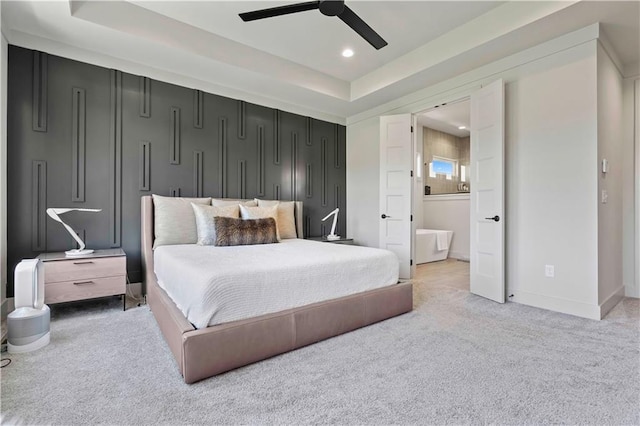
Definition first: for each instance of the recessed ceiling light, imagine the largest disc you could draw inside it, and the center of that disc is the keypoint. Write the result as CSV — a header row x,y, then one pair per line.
x,y
347,53
462,127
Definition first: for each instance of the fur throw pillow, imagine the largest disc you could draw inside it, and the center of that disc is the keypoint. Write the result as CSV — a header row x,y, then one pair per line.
x,y
238,232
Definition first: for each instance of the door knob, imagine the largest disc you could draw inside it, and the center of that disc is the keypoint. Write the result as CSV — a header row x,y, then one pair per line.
x,y
384,216
495,218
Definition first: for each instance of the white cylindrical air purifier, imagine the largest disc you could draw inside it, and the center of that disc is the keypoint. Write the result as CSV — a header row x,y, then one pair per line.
x,y
28,324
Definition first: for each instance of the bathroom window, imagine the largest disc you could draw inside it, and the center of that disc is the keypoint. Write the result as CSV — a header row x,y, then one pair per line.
x,y
443,166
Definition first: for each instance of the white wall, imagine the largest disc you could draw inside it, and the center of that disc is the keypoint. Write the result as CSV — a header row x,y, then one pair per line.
x,y
363,181
551,195
630,256
637,184
610,142
450,212
551,178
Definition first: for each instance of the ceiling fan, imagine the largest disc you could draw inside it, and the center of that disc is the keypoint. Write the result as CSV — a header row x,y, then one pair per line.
x,y
328,8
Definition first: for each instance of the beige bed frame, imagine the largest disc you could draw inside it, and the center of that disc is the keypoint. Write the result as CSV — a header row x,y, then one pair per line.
x,y
213,350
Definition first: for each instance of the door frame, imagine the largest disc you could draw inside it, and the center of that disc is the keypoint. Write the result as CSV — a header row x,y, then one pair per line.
x,y
449,99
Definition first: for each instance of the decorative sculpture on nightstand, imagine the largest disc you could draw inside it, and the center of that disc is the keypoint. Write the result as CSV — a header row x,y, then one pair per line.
x,y
332,236
80,251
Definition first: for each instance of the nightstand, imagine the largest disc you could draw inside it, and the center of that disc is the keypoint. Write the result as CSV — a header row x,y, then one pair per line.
x,y
342,240
99,274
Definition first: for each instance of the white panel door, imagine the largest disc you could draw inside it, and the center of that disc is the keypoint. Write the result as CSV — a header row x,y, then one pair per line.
x,y
396,185
487,192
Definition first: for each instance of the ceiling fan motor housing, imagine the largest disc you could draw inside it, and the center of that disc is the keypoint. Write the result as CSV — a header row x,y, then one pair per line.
x,y
331,7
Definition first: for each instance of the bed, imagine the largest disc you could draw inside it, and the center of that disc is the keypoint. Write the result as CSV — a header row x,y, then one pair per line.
x,y
235,340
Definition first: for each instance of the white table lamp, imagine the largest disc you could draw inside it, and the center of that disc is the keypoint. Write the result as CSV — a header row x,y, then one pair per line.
x,y
80,251
332,235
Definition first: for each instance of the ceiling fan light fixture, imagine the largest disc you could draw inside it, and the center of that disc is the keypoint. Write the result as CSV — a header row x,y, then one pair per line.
x,y
327,7
347,53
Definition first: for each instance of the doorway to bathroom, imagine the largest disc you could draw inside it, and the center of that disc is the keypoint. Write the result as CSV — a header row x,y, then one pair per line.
x,y
443,182
442,194
399,190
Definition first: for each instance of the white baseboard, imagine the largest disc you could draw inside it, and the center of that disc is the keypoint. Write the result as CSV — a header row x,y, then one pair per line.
x,y
579,309
631,290
611,301
459,255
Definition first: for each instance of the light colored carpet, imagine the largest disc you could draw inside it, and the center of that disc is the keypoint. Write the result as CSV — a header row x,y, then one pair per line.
x,y
456,359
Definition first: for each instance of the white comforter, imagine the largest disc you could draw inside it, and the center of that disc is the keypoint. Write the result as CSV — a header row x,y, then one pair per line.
x,y
213,285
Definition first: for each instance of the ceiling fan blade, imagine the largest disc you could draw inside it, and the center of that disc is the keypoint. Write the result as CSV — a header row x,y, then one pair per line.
x,y
280,10
350,18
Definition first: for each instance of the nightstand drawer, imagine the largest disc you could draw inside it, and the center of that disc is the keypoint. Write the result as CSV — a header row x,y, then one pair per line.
x,y
79,289
79,269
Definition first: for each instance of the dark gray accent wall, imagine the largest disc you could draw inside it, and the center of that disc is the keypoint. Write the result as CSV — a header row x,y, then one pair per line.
x,y
80,135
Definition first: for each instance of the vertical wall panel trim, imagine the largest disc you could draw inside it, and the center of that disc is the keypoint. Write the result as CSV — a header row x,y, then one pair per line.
x,y
197,173
144,172
145,97
309,131
276,192
242,119
276,137
38,205
294,165
336,148
261,171
309,181
198,109
242,179
115,164
222,157
324,178
337,204
39,105
307,225
78,144
174,136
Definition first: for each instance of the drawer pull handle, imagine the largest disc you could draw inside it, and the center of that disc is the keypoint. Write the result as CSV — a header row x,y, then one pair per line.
x,y
86,262
84,283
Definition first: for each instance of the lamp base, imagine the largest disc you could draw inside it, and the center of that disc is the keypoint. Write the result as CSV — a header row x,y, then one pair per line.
x,y
333,237
78,252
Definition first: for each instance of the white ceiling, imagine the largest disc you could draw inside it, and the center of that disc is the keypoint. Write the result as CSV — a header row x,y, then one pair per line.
x,y
293,62
448,118
316,41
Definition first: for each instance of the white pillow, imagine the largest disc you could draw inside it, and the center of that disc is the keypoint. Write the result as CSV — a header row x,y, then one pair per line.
x,y
205,223
222,202
286,217
260,213
174,220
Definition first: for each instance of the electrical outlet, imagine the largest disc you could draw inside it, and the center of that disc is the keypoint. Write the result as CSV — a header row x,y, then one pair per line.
x,y
549,271
605,196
